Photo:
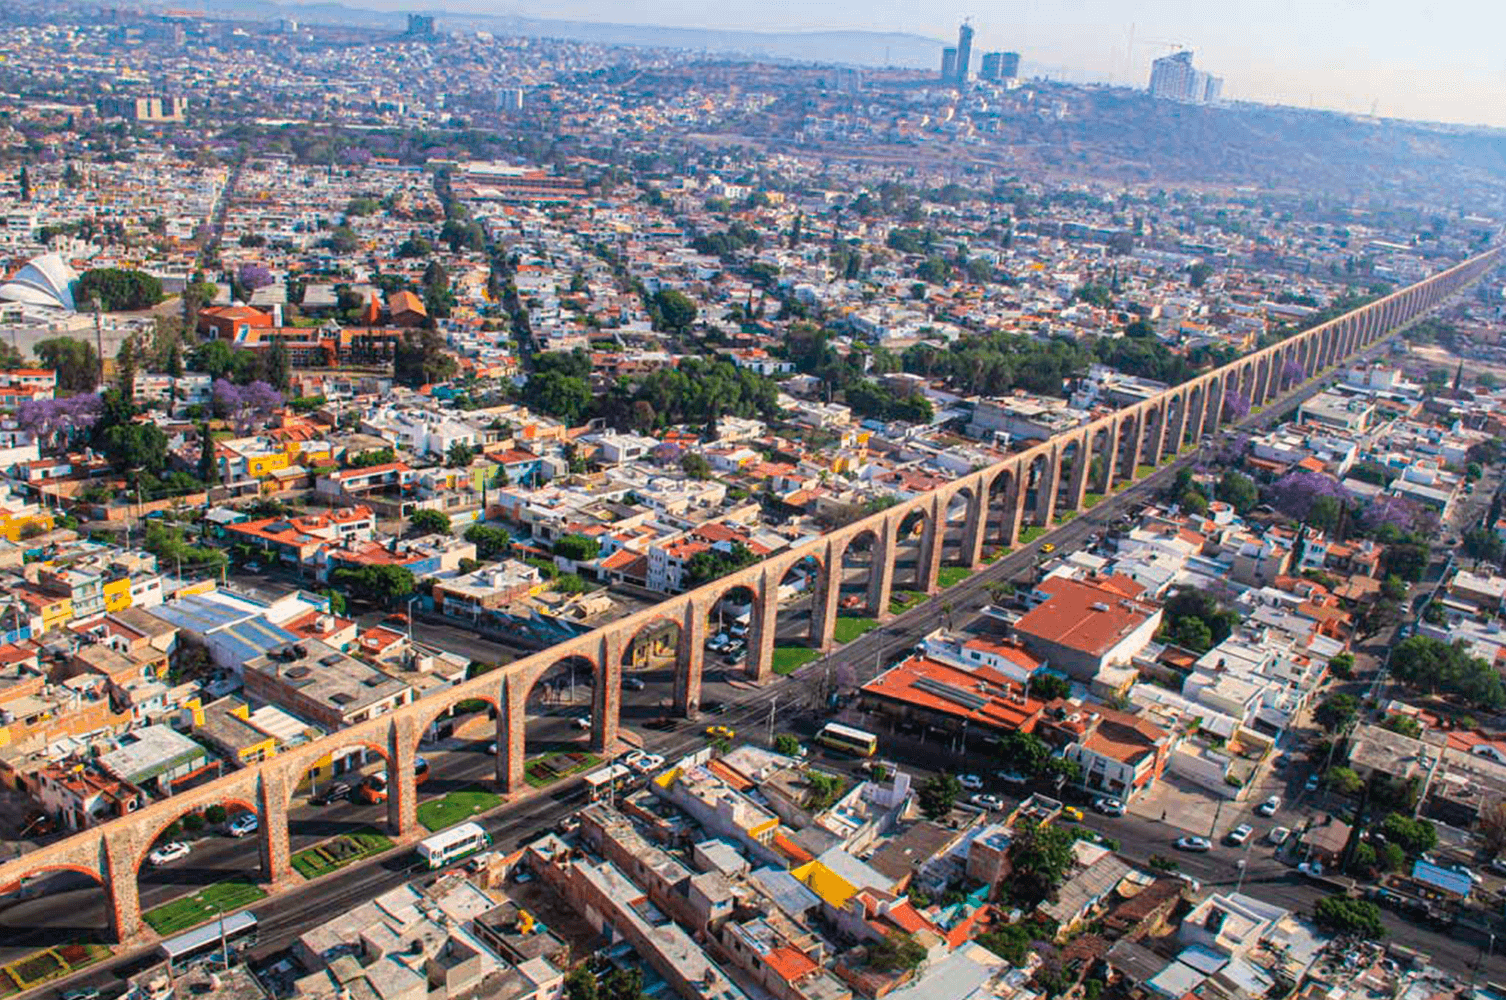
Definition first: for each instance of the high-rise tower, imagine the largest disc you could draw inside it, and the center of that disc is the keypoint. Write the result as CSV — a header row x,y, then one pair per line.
x,y
964,52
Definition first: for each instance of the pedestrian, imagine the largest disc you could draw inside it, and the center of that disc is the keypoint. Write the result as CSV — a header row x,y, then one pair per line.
x,y
1163,815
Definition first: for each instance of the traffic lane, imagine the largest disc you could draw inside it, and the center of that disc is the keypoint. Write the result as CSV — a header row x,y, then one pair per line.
x,y
74,903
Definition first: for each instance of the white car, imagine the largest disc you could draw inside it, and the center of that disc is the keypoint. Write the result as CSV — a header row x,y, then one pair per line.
x,y
168,853
581,722
985,801
1108,805
1239,834
243,824
1269,806
1313,868
971,782
1278,835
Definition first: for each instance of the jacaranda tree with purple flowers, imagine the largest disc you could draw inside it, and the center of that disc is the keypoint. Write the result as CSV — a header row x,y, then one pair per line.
x,y
245,405
254,276
1236,405
55,423
1315,498
1291,373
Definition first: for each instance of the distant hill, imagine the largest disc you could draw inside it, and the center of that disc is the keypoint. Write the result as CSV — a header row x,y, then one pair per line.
x,y
863,48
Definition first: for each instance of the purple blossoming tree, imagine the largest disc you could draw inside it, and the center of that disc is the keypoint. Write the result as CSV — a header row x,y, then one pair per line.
x,y
254,276
1236,405
1295,493
1291,373
245,406
55,422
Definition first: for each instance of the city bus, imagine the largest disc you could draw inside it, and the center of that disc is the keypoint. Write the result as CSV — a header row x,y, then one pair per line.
x,y
453,844
849,740
237,929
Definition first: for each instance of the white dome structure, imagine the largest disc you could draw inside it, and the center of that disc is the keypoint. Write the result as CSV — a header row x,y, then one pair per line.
x,y
46,282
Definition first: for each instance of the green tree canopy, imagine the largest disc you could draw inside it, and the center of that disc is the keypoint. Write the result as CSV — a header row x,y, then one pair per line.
x,y
382,584
429,522
118,289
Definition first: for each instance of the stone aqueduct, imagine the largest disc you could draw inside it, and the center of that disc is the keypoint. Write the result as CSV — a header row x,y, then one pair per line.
x,y
1030,486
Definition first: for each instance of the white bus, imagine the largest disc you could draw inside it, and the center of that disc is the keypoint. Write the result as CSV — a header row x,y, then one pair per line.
x,y
456,842
849,740
238,929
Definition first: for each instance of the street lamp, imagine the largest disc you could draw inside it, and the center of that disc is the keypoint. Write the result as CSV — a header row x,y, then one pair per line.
x,y
410,618
1240,864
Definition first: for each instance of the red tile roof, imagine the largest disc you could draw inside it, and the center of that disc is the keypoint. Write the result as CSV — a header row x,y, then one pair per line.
x,y
1086,617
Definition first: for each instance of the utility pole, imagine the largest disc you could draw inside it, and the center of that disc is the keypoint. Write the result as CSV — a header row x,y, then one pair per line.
x,y
773,703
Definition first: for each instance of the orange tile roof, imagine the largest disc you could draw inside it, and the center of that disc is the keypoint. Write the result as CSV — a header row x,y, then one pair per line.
x,y
1081,616
1006,707
789,963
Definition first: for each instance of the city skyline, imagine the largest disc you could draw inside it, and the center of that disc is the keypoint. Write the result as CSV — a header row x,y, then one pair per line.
x,y
1398,61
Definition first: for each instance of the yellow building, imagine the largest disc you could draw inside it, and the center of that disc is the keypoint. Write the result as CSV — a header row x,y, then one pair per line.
x,y
118,593
20,522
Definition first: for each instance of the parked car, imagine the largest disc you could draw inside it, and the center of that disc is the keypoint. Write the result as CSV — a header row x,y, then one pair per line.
x,y
335,791
1013,778
1281,761
971,782
1498,865
373,788
1313,869
1073,813
1239,834
1195,844
168,853
1269,806
1312,783
1108,805
634,683
1467,872
83,993
1278,835
581,722
983,800
243,824
642,761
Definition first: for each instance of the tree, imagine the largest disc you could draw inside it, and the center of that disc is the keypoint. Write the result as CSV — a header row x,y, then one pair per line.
x,y
429,522
246,406
1336,712
1342,916
1198,274
1381,615
1482,543
381,584
938,793
695,466
460,455
1405,725
117,289
1049,687
896,951
490,542
1406,560
676,310
565,397
1343,781
1415,836
576,548
336,600
1193,502
209,466
1431,665
581,984
1237,490
1342,665
1010,942
420,359
75,361
1493,825
787,744
279,365
1040,855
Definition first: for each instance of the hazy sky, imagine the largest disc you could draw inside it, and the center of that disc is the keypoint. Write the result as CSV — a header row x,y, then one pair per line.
x,y
1442,61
